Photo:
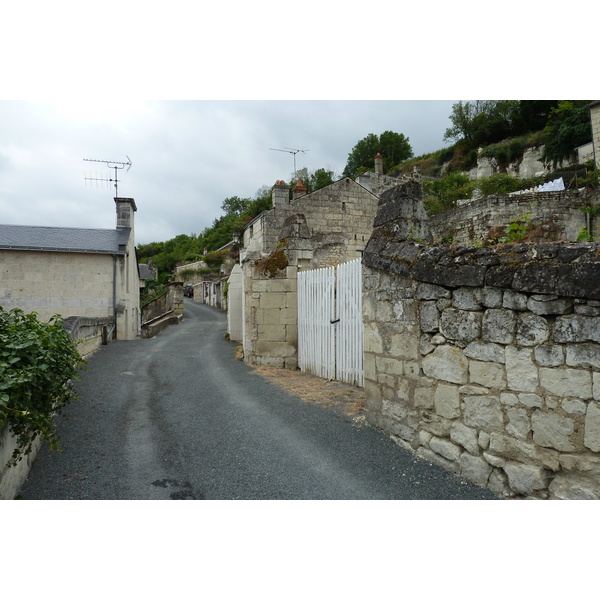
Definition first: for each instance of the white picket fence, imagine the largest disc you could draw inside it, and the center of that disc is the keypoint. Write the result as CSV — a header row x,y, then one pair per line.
x,y
330,328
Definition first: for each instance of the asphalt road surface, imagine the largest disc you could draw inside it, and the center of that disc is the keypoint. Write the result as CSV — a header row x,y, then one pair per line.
x,y
178,417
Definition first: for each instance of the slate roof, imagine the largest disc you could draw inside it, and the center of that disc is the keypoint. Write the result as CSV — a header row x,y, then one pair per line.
x,y
144,271
64,239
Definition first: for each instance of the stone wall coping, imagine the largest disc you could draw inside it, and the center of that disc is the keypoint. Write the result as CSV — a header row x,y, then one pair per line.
x,y
570,269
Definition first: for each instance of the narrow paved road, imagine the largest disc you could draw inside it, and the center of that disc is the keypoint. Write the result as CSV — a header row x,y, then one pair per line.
x,y
177,417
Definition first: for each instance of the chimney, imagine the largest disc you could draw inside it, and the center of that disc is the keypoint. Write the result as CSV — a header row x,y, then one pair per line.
x,y
379,164
281,194
299,190
125,209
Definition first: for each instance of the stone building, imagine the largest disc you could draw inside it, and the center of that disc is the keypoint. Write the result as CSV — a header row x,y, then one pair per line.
x,y
302,231
91,273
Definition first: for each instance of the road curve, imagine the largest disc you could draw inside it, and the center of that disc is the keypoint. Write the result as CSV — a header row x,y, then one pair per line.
x,y
177,417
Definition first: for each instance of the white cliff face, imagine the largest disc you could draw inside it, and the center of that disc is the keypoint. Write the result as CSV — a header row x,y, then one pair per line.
x,y
530,165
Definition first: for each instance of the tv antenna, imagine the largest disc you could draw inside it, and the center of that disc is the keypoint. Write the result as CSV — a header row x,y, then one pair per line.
x,y
293,151
111,164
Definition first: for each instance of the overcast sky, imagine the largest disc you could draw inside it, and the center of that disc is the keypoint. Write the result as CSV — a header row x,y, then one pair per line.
x,y
186,156
76,77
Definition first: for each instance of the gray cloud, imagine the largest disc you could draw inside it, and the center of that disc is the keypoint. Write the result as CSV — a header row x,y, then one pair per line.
x,y
188,156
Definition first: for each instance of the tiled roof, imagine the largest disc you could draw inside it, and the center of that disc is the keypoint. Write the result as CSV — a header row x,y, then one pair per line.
x,y
64,239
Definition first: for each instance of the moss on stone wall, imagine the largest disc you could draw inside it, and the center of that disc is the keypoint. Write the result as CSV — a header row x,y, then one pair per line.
x,y
276,261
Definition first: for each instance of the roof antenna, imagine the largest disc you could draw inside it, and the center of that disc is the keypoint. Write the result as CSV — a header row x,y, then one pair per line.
x,y
111,164
293,151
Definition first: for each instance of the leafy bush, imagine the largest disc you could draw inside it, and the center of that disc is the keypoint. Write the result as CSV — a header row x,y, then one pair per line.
x,y
38,363
501,183
506,152
214,260
568,127
442,194
584,236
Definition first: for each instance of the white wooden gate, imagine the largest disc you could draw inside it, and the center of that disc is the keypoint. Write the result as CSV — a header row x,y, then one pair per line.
x,y
330,328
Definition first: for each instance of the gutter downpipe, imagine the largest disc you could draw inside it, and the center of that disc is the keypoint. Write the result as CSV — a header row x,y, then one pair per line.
x,y
114,325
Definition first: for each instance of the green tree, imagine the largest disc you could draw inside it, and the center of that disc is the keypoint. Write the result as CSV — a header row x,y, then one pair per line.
x,y
483,122
313,180
463,121
531,115
189,248
362,156
235,205
568,127
320,178
394,148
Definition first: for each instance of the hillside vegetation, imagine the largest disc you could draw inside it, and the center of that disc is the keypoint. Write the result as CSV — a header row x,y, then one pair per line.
x,y
500,129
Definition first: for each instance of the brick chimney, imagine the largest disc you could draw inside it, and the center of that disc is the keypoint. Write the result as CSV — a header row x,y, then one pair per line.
x,y
379,164
281,194
299,190
125,209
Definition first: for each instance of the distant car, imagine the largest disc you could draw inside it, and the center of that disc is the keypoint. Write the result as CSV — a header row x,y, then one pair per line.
x,y
188,290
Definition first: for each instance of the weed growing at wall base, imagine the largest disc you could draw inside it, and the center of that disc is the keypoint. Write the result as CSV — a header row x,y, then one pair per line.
x,y
516,229
38,363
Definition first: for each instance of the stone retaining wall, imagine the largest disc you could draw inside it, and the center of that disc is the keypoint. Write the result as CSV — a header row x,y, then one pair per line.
x,y
90,333
12,478
485,360
163,311
469,223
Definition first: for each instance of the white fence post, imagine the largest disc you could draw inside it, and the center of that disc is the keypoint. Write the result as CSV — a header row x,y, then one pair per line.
x,y
349,342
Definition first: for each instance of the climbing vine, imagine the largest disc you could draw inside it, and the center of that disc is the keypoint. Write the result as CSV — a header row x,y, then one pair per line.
x,y
38,363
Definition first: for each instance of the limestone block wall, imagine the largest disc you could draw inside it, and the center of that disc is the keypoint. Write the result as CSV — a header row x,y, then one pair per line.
x,y
52,283
12,478
487,360
343,210
271,317
234,304
469,223
71,284
324,228
171,302
90,333
595,122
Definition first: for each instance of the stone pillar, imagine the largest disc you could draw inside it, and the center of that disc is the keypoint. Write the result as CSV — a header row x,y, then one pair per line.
x,y
234,304
595,121
379,164
176,297
281,194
